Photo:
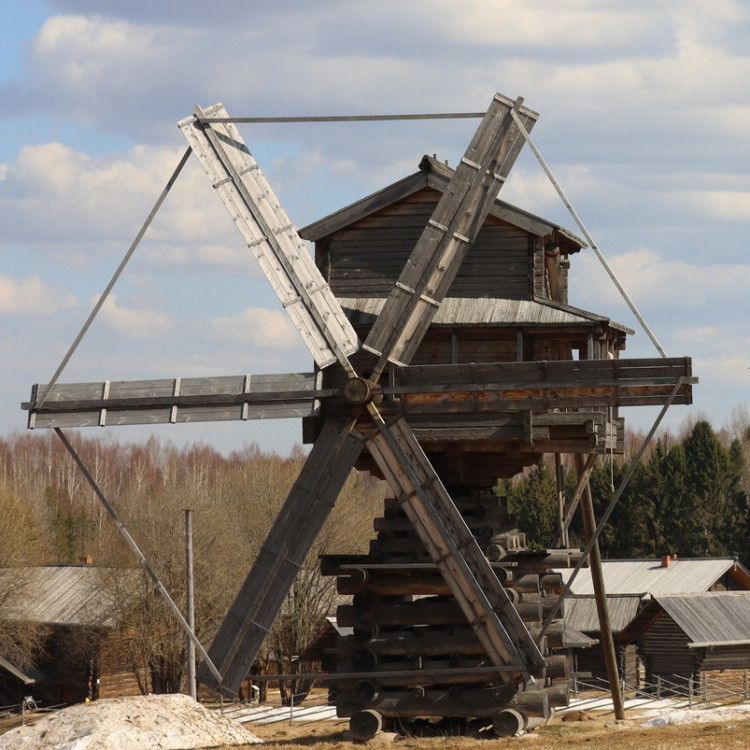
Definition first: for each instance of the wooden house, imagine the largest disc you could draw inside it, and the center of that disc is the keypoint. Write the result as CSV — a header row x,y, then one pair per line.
x,y
686,636
82,654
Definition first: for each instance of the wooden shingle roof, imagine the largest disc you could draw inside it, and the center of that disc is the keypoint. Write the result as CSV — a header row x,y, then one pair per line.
x,y
654,577
457,311
581,612
436,175
713,619
63,594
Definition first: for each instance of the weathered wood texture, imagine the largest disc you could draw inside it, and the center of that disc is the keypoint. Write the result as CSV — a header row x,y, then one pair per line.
x,y
367,257
457,219
295,530
453,549
174,400
271,237
543,385
483,406
412,639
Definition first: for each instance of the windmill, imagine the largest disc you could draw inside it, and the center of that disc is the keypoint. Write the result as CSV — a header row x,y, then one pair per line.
x,y
364,393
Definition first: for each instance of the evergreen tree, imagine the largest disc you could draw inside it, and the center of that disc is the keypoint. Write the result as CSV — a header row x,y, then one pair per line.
x,y
706,509
533,501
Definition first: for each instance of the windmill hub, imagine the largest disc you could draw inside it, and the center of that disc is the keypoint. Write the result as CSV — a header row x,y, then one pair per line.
x,y
359,391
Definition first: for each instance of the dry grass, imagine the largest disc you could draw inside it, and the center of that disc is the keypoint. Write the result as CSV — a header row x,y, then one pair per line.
x,y
600,733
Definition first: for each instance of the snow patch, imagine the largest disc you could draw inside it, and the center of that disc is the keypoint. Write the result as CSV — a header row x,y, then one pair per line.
x,y
696,716
153,722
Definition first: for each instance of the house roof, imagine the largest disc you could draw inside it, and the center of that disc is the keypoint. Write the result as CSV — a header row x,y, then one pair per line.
x,y
485,311
652,577
62,594
434,174
717,618
581,612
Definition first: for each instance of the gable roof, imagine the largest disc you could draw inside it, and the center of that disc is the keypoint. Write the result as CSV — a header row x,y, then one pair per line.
x,y
652,577
63,594
717,618
436,175
581,612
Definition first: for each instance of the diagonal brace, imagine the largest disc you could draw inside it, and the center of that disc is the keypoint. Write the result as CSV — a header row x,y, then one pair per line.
x,y
141,558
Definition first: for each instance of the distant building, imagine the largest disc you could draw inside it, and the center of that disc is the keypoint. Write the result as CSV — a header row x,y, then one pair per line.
x,y
632,587
684,636
83,655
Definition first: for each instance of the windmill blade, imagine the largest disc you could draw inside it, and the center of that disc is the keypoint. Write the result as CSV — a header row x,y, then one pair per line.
x,y
454,549
292,536
446,238
176,400
270,235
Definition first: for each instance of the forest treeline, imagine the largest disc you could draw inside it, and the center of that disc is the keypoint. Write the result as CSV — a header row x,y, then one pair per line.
x,y
50,515
688,496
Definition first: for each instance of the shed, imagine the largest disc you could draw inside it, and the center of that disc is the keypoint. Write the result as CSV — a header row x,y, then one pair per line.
x,y
581,613
82,655
689,635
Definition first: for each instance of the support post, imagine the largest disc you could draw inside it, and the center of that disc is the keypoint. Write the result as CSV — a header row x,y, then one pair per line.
x,y
562,528
190,608
597,577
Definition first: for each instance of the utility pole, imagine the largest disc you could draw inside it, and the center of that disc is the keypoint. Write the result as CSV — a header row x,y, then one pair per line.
x,y
190,595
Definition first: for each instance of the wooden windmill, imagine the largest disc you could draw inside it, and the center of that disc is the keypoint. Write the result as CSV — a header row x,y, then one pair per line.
x,y
377,401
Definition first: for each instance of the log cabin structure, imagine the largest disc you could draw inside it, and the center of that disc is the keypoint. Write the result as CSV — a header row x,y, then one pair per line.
x,y
85,653
446,356
688,636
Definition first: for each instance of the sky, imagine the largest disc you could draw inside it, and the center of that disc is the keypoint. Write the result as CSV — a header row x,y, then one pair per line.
x,y
645,116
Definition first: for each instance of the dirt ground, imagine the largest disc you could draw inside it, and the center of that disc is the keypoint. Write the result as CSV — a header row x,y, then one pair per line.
x,y
596,730
599,732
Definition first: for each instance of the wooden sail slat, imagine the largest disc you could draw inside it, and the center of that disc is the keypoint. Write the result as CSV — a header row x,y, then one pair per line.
x,y
453,548
292,535
445,240
268,232
175,400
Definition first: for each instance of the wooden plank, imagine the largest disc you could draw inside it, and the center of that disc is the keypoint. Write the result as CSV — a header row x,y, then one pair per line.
x,y
452,547
506,386
176,400
455,223
270,235
292,536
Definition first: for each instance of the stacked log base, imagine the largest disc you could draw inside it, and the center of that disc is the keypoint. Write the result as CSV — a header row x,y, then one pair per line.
x,y
411,650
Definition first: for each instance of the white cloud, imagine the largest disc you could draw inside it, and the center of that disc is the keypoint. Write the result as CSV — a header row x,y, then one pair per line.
x,y
663,284
32,295
730,370
54,194
134,323
644,120
257,326
731,205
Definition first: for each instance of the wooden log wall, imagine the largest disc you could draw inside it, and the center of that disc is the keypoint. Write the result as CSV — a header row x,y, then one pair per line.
x,y
411,652
366,257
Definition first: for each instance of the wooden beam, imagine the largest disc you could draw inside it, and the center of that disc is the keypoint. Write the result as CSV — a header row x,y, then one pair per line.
x,y
175,400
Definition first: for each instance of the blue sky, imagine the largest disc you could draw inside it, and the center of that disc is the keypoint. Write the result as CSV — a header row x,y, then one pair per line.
x,y
645,115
